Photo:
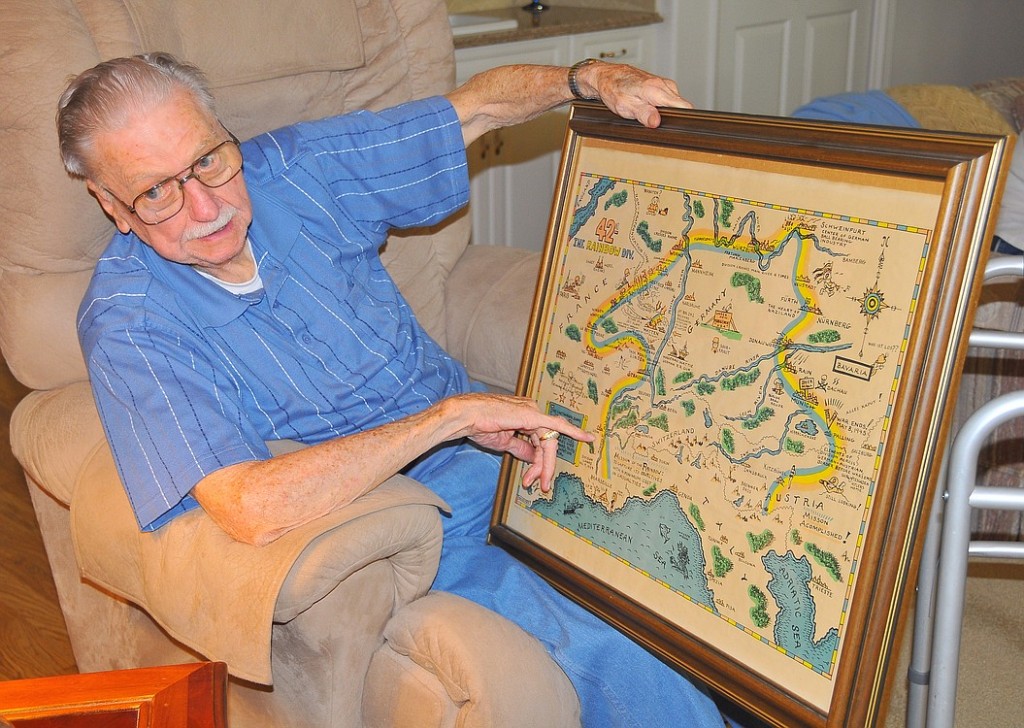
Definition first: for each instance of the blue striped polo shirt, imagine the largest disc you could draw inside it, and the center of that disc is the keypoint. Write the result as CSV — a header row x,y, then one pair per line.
x,y
190,378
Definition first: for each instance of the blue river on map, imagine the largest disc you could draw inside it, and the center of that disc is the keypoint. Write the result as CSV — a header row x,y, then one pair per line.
x,y
656,537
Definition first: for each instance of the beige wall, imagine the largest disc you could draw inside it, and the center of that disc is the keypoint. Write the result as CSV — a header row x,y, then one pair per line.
x,y
956,41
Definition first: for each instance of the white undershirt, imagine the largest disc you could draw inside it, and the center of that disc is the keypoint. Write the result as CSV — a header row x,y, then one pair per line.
x,y
250,286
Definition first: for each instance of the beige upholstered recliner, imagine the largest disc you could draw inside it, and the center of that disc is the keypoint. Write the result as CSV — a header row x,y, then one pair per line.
x,y
333,624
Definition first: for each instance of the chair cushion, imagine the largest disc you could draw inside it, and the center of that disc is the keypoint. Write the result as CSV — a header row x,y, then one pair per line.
x,y
196,31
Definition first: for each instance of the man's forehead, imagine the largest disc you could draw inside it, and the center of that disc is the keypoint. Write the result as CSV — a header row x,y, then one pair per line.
x,y
157,172
159,142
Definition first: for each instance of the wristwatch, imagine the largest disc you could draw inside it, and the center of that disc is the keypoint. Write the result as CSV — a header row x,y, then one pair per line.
x,y
573,84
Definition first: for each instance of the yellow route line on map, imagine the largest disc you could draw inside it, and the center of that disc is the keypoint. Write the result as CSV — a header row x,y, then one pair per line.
x,y
602,310
809,479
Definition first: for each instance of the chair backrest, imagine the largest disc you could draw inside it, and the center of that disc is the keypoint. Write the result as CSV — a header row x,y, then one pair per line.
x,y
270,62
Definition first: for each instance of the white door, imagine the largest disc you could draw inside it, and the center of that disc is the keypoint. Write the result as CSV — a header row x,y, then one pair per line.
x,y
774,55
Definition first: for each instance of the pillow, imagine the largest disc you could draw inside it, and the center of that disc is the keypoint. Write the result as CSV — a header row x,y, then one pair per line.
x,y
1006,95
954,108
195,32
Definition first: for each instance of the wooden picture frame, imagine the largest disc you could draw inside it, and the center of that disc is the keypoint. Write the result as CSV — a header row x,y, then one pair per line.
x,y
762,320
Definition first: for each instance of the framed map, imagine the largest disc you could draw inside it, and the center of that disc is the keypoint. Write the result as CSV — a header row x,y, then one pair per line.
x,y
762,321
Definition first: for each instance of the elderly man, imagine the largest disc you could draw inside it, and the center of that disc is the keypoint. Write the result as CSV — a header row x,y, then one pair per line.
x,y
235,308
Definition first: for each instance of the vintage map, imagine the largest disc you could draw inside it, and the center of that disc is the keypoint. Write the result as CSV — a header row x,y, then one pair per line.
x,y
736,343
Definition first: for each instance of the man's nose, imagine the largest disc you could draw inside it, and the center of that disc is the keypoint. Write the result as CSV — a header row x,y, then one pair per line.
x,y
202,205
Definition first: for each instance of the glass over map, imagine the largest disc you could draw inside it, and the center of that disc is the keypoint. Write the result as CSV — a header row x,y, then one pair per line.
x,y
735,338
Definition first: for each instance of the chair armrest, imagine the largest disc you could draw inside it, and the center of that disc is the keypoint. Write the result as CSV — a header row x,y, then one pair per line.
x,y
193,579
448,661
398,521
488,303
53,432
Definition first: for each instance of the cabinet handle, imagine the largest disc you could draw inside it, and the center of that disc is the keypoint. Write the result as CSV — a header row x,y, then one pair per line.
x,y
612,54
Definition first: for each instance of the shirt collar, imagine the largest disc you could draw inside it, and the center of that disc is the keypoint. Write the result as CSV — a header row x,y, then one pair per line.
x,y
273,233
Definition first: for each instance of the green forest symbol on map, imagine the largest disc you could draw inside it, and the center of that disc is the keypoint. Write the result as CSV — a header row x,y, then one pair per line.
x,y
728,355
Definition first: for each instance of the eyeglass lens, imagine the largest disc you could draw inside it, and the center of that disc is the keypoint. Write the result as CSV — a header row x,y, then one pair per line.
x,y
213,169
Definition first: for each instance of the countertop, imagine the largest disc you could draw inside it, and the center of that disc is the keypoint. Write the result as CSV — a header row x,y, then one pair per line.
x,y
557,20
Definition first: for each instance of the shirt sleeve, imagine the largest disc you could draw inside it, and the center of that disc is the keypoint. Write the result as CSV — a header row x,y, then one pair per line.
x,y
170,418
401,167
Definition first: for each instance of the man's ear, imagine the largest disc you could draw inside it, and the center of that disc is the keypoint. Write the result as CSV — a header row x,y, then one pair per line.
x,y
110,206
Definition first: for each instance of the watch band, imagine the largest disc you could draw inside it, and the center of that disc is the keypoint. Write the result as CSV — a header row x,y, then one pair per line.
x,y
573,84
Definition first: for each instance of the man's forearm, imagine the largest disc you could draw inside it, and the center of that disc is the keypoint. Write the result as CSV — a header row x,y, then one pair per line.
x,y
258,501
510,95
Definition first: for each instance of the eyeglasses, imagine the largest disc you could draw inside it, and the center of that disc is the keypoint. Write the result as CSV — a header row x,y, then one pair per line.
x,y
165,199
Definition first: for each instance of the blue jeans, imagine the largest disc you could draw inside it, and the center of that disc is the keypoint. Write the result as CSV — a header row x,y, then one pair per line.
x,y
618,682
1001,246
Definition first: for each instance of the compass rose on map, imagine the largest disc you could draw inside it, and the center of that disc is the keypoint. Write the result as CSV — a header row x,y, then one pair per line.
x,y
872,303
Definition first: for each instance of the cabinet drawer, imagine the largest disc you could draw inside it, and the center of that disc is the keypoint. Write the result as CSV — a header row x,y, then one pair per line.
x,y
545,51
616,46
